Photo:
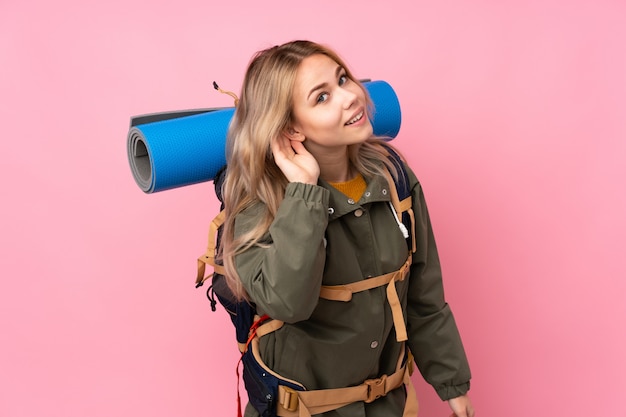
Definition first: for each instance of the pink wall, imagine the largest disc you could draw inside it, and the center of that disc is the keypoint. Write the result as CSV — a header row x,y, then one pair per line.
x,y
514,119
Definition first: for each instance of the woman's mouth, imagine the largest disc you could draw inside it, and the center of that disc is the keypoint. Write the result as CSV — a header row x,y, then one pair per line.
x,y
356,118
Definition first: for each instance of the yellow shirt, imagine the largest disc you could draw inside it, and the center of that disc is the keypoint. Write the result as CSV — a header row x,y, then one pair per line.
x,y
353,188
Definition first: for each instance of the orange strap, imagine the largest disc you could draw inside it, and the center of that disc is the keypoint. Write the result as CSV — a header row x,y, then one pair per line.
x,y
258,321
293,403
402,206
344,293
209,257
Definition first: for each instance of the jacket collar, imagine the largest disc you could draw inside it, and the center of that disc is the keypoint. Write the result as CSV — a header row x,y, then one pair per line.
x,y
340,204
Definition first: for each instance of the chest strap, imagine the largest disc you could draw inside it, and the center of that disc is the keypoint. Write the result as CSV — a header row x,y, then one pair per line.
x,y
344,293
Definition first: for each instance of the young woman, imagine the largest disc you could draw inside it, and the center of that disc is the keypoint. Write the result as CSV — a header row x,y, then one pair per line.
x,y
307,204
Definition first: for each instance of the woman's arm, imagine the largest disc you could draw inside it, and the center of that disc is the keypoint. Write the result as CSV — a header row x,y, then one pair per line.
x,y
433,335
283,274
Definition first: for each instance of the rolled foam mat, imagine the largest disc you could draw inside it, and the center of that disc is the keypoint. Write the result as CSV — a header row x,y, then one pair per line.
x,y
174,149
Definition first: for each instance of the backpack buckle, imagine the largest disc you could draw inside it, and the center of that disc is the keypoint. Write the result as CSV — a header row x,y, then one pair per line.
x,y
376,388
290,398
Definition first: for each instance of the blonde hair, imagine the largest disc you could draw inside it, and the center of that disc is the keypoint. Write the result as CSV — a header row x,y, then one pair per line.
x,y
264,112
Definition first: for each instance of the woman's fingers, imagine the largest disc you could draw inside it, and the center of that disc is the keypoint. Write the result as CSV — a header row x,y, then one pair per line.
x,y
295,161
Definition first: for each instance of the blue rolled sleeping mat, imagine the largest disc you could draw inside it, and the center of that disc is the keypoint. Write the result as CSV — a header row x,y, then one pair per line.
x,y
174,149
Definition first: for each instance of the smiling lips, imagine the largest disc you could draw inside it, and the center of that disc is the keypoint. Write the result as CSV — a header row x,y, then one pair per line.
x,y
356,118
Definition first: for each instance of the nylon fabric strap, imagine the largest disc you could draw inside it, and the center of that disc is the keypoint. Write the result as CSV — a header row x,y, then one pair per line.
x,y
200,278
305,403
406,204
209,256
396,311
402,206
344,293
254,346
320,401
269,327
395,200
411,406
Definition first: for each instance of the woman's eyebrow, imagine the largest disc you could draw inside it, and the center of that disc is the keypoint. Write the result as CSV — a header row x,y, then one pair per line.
x,y
325,84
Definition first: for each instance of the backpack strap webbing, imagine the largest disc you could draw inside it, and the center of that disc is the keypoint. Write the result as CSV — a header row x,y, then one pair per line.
x,y
293,403
209,257
344,293
402,206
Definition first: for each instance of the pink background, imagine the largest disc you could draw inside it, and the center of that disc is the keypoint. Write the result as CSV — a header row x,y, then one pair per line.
x,y
514,120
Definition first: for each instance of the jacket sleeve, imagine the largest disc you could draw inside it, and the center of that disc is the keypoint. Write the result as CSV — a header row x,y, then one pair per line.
x,y
283,274
434,338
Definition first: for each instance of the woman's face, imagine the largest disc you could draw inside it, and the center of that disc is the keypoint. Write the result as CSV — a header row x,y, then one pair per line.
x,y
330,110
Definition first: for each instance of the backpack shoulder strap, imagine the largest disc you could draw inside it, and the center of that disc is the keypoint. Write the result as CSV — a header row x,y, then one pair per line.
x,y
214,234
241,312
401,197
209,257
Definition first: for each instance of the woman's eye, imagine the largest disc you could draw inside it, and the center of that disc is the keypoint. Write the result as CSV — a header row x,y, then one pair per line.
x,y
322,97
343,79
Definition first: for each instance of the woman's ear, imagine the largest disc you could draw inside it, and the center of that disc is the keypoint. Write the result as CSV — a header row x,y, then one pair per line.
x,y
293,134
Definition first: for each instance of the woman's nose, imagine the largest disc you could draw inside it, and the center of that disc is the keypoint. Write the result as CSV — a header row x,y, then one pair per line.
x,y
349,97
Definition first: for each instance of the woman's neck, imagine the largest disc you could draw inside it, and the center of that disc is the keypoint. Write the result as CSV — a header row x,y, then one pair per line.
x,y
334,163
336,169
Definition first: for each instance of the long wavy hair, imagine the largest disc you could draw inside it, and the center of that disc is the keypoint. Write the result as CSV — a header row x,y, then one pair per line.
x,y
263,113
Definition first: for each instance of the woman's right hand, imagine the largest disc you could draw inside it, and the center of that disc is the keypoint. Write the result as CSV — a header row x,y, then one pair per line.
x,y
295,161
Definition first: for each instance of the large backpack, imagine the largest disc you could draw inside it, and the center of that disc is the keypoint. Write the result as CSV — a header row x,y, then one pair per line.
x,y
261,383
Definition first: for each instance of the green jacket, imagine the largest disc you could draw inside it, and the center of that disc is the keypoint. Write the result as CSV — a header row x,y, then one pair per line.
x,y
319,236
